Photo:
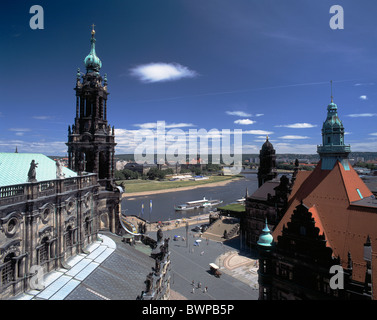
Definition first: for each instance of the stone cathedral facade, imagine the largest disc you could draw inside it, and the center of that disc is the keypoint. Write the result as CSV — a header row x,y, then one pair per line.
x,y
49,213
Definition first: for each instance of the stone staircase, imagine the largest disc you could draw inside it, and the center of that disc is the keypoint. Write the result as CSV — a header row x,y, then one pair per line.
x,y
216,230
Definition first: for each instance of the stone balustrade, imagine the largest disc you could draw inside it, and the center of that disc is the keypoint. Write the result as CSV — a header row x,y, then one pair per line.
x,y
34,190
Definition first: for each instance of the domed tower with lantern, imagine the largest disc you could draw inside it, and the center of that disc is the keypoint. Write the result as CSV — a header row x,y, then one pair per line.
x,y
267,166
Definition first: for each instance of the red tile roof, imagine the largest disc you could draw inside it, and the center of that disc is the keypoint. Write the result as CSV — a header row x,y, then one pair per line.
x,y
328,194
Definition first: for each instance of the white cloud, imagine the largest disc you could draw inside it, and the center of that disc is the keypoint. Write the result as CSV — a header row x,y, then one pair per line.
x,y
238,113
257,132
364,84
125,140
302,125
50,148
295,148
158,72
259,114
363,98
373,134
250,148
293,137
42,117
358,115
153,125
263,140
367,146
244,121
19,131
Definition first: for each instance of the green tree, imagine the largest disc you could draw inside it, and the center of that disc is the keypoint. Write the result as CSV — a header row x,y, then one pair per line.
x,y
155,173
118,175
129,174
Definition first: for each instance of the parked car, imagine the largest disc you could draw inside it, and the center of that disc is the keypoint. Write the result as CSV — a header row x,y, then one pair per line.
x,y
196,229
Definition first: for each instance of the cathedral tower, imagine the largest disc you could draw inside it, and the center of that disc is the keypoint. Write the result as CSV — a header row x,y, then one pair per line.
x,y
91,141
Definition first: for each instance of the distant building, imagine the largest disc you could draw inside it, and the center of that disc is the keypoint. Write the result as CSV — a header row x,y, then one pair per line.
x,y
119,165
142,168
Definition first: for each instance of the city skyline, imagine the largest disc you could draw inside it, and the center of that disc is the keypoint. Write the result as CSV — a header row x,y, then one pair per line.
x,y
263,68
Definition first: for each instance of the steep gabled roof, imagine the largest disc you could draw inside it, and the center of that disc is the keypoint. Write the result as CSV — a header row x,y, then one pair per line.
x,y
329,195
318,223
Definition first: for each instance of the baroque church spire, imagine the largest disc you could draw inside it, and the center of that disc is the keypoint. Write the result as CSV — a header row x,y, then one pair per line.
x,y
92,62
91,142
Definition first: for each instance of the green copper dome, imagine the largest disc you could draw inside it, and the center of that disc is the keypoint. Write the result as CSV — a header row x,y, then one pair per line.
x,y
92,62
265,238
332,116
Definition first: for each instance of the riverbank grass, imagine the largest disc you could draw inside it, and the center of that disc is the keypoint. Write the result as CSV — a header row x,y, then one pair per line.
x,y
132,186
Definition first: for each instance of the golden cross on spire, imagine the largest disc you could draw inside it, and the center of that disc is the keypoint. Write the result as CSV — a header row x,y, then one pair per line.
x,y
93,31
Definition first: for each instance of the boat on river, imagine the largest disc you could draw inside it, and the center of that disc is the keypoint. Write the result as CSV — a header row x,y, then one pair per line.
x,y
197,204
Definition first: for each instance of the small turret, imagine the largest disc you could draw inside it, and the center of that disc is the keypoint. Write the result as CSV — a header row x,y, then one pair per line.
x,y
265,239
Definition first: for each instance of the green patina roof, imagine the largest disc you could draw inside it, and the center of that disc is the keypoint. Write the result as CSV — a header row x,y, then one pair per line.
x,y
233,207
332,116
14,168
92,62
265,239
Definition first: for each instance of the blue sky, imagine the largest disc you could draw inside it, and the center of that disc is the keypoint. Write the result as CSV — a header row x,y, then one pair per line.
x,y
260,66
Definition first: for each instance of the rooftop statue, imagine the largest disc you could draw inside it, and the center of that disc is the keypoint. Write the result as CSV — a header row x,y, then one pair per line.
x,y
59,170
32,172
